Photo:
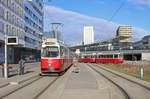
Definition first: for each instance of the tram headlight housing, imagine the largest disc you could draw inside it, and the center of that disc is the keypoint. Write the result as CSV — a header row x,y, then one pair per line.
x,y
49,65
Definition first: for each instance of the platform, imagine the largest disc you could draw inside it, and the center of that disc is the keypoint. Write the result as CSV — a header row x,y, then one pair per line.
x,y
86,84
31,69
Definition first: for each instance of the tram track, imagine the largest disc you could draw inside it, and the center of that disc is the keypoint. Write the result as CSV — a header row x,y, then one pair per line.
x,y
44,89
130,86
30,81
148,88
119,87
30,89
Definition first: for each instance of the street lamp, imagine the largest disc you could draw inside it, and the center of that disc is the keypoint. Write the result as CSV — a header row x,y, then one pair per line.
x,y
131,47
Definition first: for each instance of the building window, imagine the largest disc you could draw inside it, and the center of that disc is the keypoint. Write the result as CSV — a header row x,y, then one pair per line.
x,y
1,12
22,23
7,27
13,6
22,13
13,19
18,10
17,21
7,15
1,27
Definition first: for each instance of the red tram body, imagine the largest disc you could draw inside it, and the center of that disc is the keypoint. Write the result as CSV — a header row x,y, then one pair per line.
x,y
55,57
102,58
91,60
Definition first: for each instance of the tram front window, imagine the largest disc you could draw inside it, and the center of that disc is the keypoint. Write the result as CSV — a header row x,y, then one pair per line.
x,y
50,52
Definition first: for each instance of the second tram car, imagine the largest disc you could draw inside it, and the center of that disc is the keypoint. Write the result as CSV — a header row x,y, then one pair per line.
x,y
102,58
55,57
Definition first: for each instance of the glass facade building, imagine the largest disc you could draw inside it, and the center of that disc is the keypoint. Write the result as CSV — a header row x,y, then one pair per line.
x,y
33,23
24,20
11,24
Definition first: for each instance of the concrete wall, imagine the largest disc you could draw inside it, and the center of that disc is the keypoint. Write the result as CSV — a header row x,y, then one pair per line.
x,y
146,56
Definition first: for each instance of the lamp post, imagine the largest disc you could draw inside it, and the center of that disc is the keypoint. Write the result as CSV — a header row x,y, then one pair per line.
x,y
77,54
131,47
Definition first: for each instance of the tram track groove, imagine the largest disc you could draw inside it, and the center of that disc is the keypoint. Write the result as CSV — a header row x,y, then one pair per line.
x,y
148,88
44,89
118,86
36,78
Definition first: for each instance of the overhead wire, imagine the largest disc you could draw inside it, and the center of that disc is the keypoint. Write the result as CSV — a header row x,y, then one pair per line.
x,y
116,11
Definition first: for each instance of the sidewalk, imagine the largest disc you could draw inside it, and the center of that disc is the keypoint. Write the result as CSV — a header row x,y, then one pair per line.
x,y
31,69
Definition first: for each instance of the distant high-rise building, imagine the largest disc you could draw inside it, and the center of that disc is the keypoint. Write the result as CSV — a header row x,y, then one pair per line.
x,y
88,35
125,33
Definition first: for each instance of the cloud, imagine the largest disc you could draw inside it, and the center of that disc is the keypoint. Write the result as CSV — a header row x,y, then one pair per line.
x,y
75,22
140,2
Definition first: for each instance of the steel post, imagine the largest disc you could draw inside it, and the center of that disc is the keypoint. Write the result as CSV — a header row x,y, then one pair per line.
x,y
5,67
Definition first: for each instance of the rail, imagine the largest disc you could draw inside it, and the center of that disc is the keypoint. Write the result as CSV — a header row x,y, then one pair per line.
x,y
119,87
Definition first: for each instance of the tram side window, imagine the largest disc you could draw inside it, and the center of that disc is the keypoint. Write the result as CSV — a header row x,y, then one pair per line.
x,y
120,56
62,51
115,56
110,56
100,56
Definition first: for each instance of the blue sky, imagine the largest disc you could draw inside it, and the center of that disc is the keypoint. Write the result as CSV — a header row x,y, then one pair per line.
x,y
75,14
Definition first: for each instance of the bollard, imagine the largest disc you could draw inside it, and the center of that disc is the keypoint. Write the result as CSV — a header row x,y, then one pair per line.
x,y
141,73
1,72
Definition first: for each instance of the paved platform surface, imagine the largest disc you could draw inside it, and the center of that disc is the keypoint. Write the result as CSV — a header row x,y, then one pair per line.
x,y
86,84
31,69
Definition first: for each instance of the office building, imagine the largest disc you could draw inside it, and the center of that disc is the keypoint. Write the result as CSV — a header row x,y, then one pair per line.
x,y
11,24
24,20
33,26
125,34
88,35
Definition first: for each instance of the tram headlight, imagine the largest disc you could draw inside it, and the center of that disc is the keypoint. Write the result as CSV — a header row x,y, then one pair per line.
x,y
49,65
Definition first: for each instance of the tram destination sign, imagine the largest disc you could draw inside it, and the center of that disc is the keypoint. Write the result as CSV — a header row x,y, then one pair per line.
x,y
49,43
53,49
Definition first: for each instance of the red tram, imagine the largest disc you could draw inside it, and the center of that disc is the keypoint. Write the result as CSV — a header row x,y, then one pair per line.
x,y
102,58
55,57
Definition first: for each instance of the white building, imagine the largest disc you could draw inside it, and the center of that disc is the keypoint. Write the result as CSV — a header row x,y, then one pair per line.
x,y
88,35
